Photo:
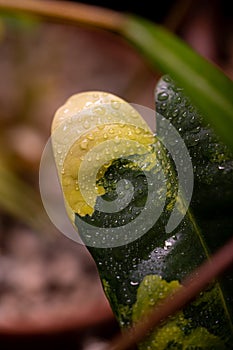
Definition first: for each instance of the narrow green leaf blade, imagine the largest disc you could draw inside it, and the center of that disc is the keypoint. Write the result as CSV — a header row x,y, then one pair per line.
x,y
209,89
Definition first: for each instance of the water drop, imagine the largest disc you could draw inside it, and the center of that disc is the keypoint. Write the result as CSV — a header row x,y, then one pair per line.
x,y
99,110
86,124
138,131
163,106
175,112
167,79
151,302
84,144
167,245
173,142
90,137
193,142
196,130
162,96
121,194
115,104
134,283
121,125
133,114
179,120
127,186
117,140
192,120
101,126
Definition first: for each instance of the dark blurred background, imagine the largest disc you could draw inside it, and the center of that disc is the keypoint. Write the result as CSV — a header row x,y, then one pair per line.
x,y
206,25
154,10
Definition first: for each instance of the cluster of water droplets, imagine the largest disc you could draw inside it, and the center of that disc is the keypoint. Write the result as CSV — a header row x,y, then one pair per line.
x,y
88,136
93,130
204,146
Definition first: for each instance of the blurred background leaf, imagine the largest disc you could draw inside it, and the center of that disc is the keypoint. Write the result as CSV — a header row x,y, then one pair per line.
x,y
20,200
210,89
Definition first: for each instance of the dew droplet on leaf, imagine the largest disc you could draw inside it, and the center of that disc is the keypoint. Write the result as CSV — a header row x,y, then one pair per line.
x,y
162,96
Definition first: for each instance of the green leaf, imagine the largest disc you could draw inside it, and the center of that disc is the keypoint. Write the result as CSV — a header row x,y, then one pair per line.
x,y
212,160
169,257
129,271
165,257
212,199
177,332
209,89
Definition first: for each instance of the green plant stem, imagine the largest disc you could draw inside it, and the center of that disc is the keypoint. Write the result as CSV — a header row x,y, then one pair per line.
x,y
192,286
